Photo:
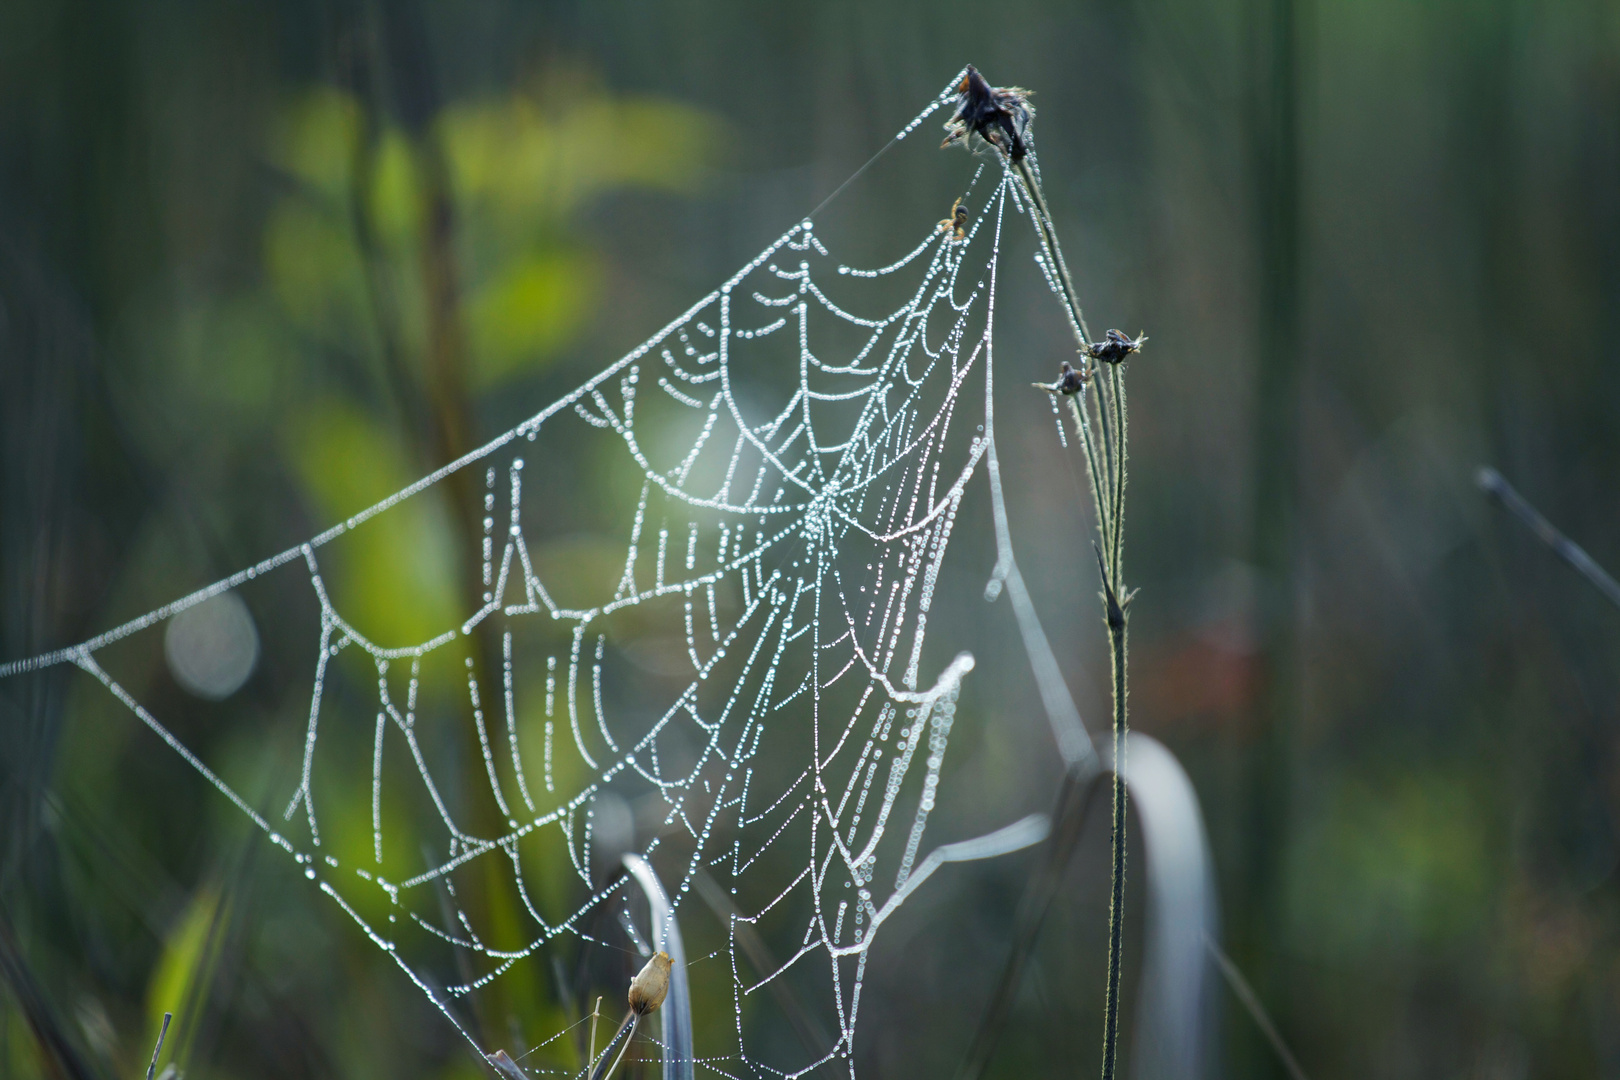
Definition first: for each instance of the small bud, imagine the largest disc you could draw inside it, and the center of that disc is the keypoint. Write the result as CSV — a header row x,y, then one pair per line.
x,y
648,989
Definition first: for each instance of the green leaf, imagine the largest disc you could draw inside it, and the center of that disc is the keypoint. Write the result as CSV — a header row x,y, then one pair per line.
x,y
393,576
531,309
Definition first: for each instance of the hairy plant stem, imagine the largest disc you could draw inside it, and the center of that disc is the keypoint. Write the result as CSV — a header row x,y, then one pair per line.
x,y
1116,896
1116,399
1107,473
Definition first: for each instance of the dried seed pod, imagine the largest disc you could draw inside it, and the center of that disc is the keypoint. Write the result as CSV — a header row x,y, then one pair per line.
x,y
649,987
1070,380
1115,348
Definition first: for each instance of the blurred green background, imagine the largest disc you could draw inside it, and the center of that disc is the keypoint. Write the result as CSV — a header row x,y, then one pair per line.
x,y
262,264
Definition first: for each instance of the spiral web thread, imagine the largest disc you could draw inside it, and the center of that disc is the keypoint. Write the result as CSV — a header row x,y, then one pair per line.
x,y
793,548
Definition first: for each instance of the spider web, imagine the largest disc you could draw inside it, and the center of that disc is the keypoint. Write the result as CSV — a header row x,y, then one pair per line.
x,y
752,675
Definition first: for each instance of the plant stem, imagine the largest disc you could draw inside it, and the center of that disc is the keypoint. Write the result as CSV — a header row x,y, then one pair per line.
x,y
626,1032
1116,399
158,1049
1116,896
1108,499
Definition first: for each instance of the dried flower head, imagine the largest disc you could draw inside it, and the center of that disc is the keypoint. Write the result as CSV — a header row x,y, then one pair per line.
x,y
649,987
1115,347
998,115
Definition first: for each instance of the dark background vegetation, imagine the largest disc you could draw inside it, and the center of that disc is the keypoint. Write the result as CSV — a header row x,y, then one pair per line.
x,y
1375,244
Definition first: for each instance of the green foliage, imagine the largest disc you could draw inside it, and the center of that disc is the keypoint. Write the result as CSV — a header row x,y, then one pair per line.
x,y
522,169
396,578
1392,869
185,967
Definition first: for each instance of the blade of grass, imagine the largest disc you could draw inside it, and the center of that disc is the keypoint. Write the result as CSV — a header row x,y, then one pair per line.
x,y
1174,1013
1257,1011
151,1070
55,1044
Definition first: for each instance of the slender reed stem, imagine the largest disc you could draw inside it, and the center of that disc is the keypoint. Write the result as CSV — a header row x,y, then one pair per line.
x,y
596,1014
1491,482
1110,467
1116,399
1000,117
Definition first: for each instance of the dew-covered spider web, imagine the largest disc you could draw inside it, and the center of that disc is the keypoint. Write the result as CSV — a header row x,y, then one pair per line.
x,y
747,679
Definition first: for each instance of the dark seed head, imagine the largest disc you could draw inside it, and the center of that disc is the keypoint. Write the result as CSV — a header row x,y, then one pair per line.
x,y
998,115
1115,347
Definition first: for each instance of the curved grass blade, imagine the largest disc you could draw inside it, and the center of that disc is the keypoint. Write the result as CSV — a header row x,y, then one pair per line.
x,y
676,1013
1174,1026
1175,1005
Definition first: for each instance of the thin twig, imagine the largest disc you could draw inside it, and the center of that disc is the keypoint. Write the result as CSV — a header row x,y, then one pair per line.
x,y
1491,482
1257,1012
151,1070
